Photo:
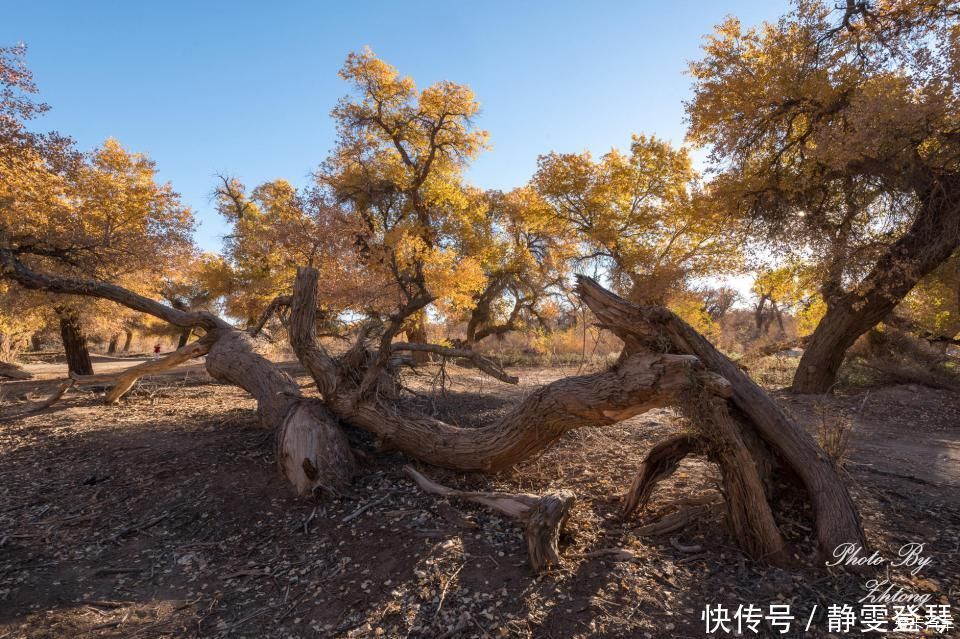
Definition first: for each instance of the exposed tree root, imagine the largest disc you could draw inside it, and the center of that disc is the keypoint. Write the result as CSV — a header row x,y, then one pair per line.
x,y
543,516
660,463
646,328
748,510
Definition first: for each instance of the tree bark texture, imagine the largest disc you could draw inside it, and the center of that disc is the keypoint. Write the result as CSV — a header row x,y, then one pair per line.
x,y
837,519
930,240
74,342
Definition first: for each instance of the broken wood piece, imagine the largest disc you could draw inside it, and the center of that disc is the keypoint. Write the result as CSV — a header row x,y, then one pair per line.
x,y
543,515
678,520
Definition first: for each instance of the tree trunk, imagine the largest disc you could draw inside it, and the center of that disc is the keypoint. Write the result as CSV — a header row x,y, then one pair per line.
x,y
36,342
758,313
826,350
837,519
779,315
416,330
128,338
312,449
931,239
114,343
125,379
638,384
74,342
184,337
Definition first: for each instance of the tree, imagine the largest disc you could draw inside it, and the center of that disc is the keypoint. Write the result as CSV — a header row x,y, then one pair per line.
x,y
524,254
666,362
397,171
639,215
99,214
933,306
20,318
717,301
834,133
275,228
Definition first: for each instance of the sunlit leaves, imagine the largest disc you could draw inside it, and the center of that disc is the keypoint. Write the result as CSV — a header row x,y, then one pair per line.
x,y
642,213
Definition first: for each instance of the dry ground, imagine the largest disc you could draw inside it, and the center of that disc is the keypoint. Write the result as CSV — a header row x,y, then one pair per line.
x,y
165,517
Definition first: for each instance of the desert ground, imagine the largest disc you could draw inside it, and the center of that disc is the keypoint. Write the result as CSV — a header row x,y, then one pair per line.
x,y
166,517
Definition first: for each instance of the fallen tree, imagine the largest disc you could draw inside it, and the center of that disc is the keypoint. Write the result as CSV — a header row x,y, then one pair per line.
x,y
665,362
12,371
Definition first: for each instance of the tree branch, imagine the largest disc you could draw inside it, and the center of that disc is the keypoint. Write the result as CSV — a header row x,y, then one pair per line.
x,y
14,269
273,307
486,365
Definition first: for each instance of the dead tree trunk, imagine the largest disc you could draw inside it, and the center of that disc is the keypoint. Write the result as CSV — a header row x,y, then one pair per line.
x,y
128,338
313,451
232,358
74,342
636,384
837,519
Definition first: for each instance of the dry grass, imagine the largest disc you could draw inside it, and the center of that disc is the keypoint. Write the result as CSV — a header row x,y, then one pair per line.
x,y
834,428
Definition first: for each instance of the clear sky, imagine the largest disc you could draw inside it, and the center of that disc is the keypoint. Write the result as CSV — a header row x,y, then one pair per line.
x,y
246,88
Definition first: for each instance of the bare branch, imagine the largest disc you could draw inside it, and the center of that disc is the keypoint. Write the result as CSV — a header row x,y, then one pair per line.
x,y
486,365
274,306
22,411
542,515
124,380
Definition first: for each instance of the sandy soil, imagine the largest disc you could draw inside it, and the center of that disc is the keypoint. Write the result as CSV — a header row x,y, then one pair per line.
x,y
101,364
165,517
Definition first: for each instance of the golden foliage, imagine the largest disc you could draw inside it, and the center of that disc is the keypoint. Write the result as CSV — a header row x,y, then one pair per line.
x,y
640,213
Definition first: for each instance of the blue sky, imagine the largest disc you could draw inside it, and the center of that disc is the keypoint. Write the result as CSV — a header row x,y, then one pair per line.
x,y
246,88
